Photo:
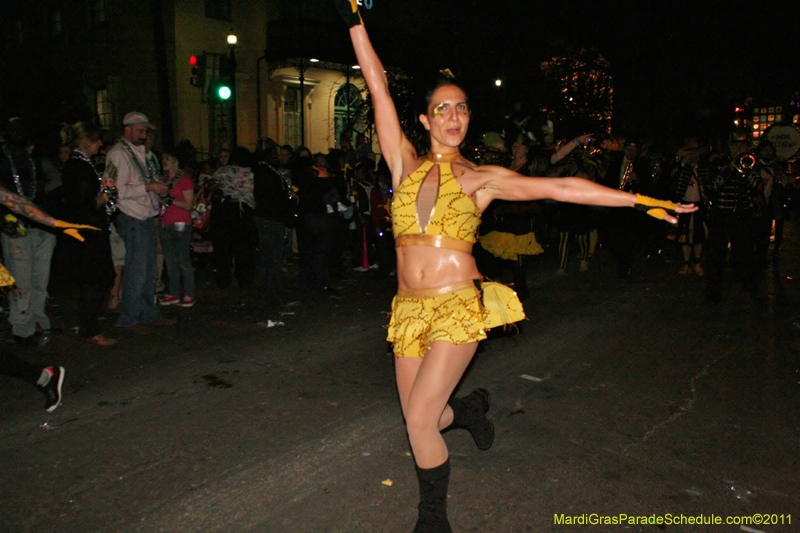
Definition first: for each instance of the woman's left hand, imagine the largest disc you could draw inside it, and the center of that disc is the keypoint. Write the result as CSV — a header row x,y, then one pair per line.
x,y
348,9
662,209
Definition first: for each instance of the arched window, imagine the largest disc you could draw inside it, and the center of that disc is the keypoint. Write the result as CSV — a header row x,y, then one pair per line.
x,y
349,111
292,100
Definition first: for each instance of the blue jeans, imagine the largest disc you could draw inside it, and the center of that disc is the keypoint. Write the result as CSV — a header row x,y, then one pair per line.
x,y
28,260
271,250
176,246
139,276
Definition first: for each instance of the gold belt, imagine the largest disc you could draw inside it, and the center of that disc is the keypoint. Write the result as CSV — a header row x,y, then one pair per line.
x,y
436,291
436,241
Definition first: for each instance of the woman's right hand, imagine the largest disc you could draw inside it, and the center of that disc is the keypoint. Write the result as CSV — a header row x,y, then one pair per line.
x,y
348,9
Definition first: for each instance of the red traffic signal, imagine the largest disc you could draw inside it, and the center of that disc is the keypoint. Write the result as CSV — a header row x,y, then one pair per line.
x,y
198,64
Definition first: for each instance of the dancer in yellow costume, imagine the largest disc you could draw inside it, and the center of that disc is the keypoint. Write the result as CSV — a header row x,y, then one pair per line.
x,y
438,317
454,313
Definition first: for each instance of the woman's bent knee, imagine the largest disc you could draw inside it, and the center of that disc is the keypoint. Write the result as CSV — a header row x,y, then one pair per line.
x,y
420,423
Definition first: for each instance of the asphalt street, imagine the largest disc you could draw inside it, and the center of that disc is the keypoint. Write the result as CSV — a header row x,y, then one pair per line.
x,y
616,400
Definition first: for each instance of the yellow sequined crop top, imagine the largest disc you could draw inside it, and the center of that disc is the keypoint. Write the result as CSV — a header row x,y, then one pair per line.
x,y
455,218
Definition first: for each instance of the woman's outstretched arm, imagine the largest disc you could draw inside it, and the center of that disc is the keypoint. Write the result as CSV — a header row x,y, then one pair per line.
x,y
504,184
395,147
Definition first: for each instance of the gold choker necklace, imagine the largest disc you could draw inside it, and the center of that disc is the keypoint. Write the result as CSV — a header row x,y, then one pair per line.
x,y
443,158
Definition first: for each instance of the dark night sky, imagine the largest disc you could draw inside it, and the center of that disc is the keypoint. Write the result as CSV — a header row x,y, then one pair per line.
x,y
672,61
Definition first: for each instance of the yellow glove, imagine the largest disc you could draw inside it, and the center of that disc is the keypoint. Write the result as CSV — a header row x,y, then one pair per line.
x,y
348,9
72,229
655,208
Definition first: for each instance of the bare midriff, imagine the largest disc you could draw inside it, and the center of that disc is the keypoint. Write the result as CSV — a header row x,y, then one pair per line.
x,y
426,267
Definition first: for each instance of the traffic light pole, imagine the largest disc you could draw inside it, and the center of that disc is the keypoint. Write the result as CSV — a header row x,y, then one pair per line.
x,y
302,107
234,136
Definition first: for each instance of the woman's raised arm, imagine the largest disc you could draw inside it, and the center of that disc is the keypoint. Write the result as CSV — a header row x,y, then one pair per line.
x,y
395,147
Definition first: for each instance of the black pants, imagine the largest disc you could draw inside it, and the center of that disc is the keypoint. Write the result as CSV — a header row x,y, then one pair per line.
x,y
271,248
235,240
89,264
622,233
320,232
740,232
11,365
91,301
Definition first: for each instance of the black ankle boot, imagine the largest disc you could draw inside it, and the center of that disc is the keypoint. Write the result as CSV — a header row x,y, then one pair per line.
x,y
469,412
433,499
478,398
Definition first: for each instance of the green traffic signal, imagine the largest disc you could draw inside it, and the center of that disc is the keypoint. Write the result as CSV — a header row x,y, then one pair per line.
x,y
227,78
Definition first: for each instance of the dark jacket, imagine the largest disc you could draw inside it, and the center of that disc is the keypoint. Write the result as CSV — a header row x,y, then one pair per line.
x,y
79,190
273,200
90,260
32,179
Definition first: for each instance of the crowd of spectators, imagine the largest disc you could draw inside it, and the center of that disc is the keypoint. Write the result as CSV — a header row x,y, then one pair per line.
x,y
247,214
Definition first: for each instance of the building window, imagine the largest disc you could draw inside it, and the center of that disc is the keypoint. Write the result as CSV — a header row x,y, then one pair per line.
x,y
98,13
105,109
291,116
218,9
348,111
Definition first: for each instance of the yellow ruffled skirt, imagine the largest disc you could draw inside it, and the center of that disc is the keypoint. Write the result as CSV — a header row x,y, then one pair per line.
x,y
458,313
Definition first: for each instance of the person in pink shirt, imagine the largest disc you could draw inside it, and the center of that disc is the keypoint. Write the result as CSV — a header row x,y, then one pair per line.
x,y
176,233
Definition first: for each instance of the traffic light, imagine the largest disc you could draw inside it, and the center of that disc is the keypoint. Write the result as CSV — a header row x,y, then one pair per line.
x,y
225,85
198,64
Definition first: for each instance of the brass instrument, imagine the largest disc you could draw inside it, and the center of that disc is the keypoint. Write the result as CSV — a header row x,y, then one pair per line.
x,y
744,163
626,182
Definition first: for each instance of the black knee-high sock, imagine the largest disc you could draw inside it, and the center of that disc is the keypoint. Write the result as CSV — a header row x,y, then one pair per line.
x,y
433,499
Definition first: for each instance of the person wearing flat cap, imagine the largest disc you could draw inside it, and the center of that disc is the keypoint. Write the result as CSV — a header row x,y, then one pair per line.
x,y
140,193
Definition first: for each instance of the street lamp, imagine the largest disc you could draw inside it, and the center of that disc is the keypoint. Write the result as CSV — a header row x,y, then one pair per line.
x,y
231,64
